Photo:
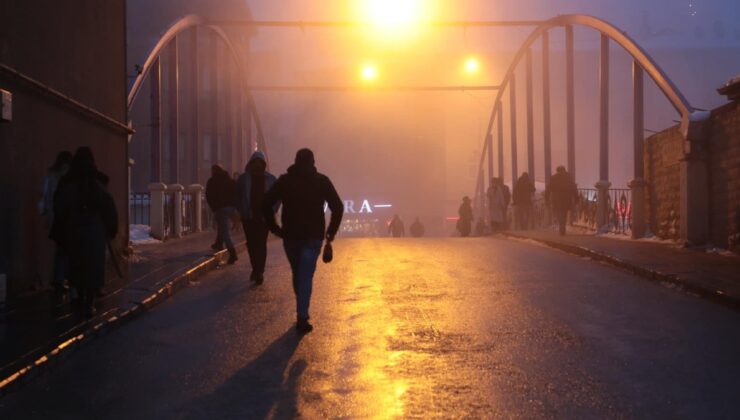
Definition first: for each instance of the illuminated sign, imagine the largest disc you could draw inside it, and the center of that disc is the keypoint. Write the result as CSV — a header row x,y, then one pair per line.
x,y
365,207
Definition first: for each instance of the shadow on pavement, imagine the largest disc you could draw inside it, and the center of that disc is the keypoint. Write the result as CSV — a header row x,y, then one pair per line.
x,y
258,388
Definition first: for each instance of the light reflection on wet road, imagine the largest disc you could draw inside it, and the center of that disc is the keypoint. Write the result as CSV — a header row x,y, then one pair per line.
x,y
420,328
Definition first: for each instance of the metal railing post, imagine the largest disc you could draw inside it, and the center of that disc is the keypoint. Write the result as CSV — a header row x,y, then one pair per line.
x,y
530,116
546,129
500,139
637,185
570,101
173,70
195,107
512,113
155,144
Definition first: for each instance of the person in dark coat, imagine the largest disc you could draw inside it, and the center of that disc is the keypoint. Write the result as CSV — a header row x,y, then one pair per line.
x,y
561,194
396,228
221,198
303,193
251,189
417,229
46,210
465,222
85,220
522,197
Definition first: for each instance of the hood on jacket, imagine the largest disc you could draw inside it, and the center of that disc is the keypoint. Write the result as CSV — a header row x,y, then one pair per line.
x,y
256,155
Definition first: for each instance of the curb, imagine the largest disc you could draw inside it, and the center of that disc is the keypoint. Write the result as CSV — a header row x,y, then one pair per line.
x,y
716,296
34,363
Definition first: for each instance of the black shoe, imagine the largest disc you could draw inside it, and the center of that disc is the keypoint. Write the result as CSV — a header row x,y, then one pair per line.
x,y
232,256
217,247
303,327
259,278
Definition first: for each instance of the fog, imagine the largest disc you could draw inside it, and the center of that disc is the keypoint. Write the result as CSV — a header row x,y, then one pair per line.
x,y
419,151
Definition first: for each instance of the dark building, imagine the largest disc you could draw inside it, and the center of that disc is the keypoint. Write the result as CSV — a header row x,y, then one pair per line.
x,y
65,65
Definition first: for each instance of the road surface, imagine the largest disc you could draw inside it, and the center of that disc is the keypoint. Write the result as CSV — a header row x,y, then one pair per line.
x,y
435,327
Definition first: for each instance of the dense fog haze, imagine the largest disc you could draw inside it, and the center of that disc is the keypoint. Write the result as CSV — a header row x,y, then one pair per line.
x,y
419,151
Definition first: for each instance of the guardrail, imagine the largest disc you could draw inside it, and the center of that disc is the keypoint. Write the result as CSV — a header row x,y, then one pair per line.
x,y
619,210
139,203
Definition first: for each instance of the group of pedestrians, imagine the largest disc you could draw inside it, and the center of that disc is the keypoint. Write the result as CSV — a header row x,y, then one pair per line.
x,y
301,194
560,196
81,217
397,229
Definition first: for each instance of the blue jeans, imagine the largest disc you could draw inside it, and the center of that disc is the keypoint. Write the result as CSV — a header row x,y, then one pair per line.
x,y
223,222
302,255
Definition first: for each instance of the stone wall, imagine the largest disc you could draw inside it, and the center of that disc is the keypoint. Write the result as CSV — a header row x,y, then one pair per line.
x,y
663,152
724,177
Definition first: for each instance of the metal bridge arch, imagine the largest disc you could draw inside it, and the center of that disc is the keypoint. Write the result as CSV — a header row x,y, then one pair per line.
x,y
169,36
642,62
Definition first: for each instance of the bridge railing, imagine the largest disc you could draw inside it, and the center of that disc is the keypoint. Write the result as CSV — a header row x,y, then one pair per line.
x,y
618,210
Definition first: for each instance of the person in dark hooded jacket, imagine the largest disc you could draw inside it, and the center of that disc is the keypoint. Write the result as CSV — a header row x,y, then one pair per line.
x,y
85,220
523,191
250,193
303,193
561,194
221,198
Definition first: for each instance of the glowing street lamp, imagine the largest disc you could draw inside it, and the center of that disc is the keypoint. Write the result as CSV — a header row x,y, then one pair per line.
x,y
369,72
472,65
393,20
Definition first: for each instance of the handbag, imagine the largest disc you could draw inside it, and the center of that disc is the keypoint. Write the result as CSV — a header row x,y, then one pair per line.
x,y
328,253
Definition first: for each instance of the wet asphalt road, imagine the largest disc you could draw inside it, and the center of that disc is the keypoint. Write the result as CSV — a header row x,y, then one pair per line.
x,y
477,328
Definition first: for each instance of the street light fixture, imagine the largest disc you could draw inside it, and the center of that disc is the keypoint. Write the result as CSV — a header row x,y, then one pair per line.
x,y
369,72
472,65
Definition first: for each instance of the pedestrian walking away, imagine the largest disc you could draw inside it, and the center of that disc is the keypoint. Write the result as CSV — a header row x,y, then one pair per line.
x,y
250,193
85,220
496,205
417,228
561,194
396,228
465,222
303,192
46,209
221,198
523,191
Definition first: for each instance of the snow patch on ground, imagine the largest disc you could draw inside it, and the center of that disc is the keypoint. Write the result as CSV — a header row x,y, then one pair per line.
x,y
140,235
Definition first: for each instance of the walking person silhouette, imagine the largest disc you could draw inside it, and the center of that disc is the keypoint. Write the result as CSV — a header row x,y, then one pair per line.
x,y
302,193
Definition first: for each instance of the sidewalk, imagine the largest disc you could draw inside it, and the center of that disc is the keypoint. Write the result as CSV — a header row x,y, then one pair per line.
x,y
39,328
709,275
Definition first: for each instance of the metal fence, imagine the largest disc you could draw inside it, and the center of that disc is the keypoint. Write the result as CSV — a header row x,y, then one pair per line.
x,y
169,214
139,203
619,210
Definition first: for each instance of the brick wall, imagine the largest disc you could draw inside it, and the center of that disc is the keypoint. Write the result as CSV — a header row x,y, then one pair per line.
x,y
663,152
724,177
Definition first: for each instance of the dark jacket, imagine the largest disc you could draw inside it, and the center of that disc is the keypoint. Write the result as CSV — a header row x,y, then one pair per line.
x,y
244,194
561,192
221,191
302,192
523,190
85,220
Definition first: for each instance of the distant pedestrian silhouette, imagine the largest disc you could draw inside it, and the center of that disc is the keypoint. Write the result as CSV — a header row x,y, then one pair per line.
x,y
221,198
85,220
302,193
523,191
251,189
417,229
561,194
497,205
465,222
396,228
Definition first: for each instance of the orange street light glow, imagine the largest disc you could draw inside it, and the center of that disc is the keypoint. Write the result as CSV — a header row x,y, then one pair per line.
x,y
369,72
392,13
472,65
